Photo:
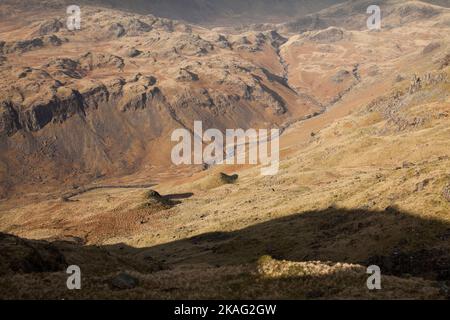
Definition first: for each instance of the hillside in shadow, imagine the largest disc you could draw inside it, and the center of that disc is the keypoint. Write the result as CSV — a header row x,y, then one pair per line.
x,y
319,254
399,242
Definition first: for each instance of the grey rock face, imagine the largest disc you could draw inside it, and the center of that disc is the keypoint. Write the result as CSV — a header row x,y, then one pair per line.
x,y
124,282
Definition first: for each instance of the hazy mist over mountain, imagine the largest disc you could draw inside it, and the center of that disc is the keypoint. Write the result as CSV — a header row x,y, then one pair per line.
x,y
214,12
233,11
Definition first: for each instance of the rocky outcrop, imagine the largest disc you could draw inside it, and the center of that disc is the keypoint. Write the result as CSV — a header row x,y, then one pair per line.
x,y
50,26
91,61
393,107
222,42
329,35
428,79
116,30
64,67
124,281
23,46
9,119
137,92
134,27
24,256
415,85
57,109
39,115
186,75
132,53
257,41
192,45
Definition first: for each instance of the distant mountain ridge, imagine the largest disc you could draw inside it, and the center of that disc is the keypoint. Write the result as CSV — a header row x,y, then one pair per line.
x,y
206,12
215,12
220,12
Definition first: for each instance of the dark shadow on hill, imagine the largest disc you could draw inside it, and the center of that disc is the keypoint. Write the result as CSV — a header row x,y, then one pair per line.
x,y
400,243
180,196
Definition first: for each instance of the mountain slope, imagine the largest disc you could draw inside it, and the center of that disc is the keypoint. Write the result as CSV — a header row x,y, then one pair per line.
x,y
105,99
85,122
218,237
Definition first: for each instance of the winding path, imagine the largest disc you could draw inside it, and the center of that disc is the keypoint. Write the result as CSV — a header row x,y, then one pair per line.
x,y
80,191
